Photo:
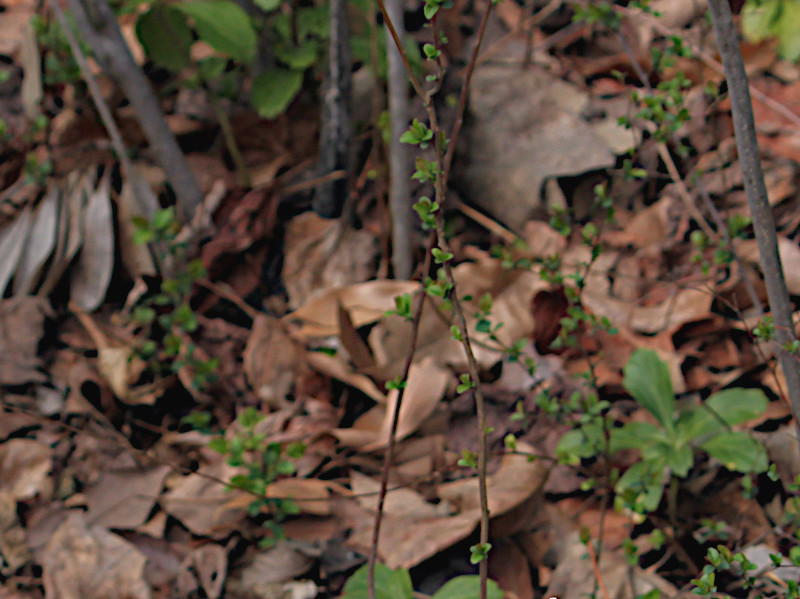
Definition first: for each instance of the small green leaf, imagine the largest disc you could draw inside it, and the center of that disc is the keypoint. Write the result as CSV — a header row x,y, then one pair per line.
x,y
224,26
479,552
268,5
299,57
467,587
737,451
165,36
634,435
738,405
274,89
647,380
389,584
440,256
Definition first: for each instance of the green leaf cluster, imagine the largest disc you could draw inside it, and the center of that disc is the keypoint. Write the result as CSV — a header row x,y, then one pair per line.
x,y
168,31
396,584
669,445
762,19
264,462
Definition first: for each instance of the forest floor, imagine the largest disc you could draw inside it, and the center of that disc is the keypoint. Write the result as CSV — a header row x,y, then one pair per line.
x,y
129,405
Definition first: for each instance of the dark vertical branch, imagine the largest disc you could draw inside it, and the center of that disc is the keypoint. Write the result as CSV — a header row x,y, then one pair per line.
x,y
399,155
760,210
98,27
334,143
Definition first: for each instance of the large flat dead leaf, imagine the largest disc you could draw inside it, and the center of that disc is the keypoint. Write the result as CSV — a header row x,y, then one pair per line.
x,y
270,360
323,254
425,387
40,243
22,327
513,146
201,502
92,273
790,259
124,499
516,480
365,302
25,469
12,244
88,562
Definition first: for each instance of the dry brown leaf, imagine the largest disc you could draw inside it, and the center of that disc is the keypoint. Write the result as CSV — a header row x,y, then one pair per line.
x,y
135,199
515,481
336,367
683,304
25,469
404,543
270,360
790,258
83,562
22,328
201,502
39,245
280,563
399,503
12,244
13,544
124,499
425,387
310,495
92,273
323,254
508,566
16,18
365,302
204,568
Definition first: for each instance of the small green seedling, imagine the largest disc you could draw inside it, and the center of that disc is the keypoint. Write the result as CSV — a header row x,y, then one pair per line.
x,y
669,446
396,584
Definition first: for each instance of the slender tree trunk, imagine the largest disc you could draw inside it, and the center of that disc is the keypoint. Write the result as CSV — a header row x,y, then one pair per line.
x,y
335,137
399,155
760,210
98,27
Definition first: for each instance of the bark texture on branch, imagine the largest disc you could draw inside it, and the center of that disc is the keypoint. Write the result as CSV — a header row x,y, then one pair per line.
x,y
755,188
98,26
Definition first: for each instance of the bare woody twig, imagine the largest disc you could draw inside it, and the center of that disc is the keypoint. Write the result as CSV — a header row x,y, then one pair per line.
x,y
98,27
760,210
388,456
442,165
399,155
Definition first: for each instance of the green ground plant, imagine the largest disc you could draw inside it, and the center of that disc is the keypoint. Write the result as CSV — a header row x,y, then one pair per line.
x,y
164,316
668,447
264,462
396,584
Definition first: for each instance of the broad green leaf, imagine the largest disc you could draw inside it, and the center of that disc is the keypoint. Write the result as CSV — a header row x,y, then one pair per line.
x,y
467,587
644,481
738,405
774,18
787,29
224,26
299,57
634,435
647,380
268,5
313,21
165,36
274,89
695,423
758,19
680,459
389,584
582,442
737,451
